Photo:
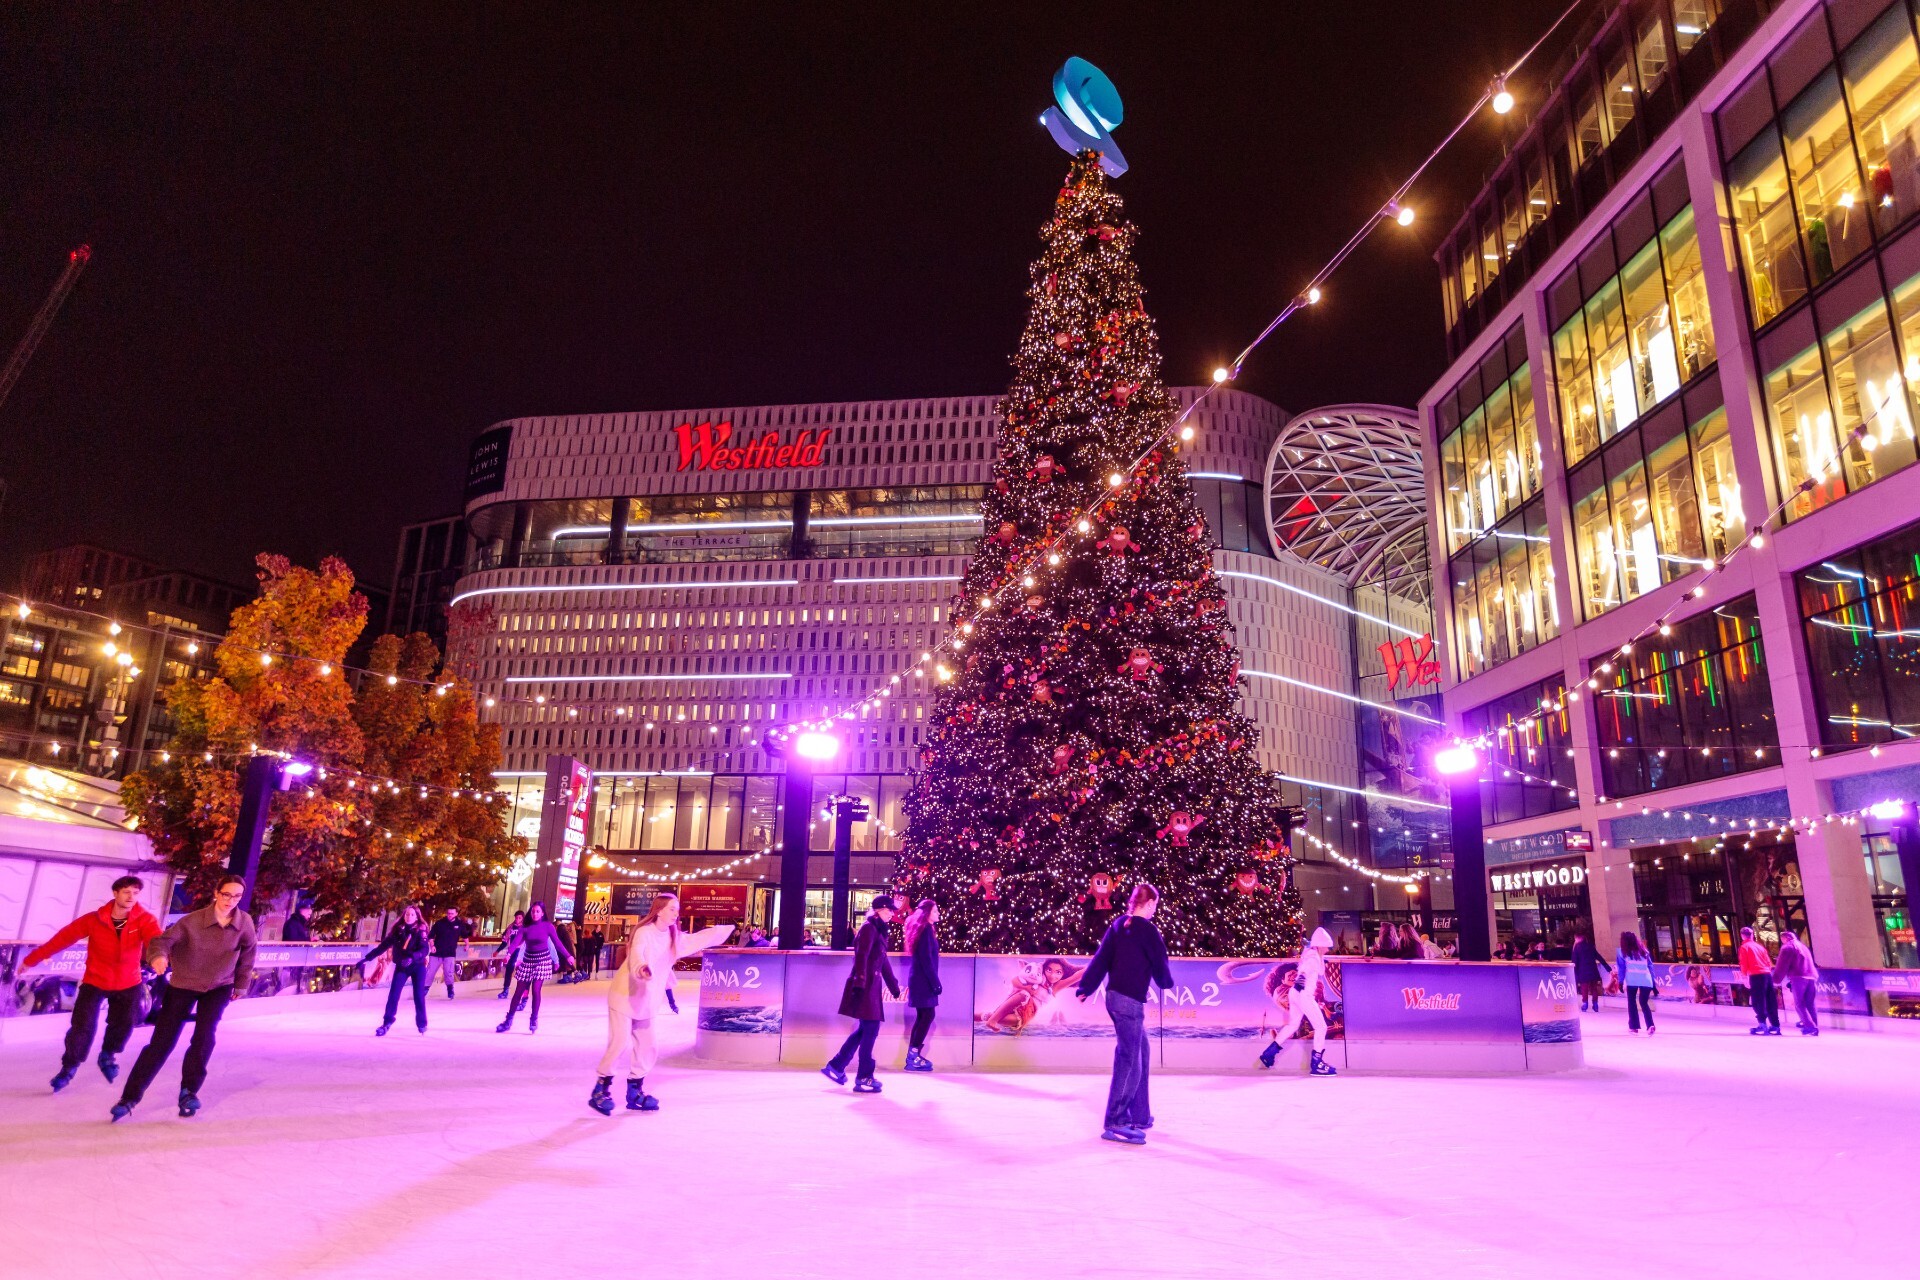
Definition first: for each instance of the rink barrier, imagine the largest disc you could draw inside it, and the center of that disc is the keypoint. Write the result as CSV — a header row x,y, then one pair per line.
x,y
279,968
1018,1013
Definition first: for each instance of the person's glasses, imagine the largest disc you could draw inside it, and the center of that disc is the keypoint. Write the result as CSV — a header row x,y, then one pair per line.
x,y
234,894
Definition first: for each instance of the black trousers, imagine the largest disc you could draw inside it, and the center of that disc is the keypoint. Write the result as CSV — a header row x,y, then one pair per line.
x,y
205,1008
403,974
1766,1000
922,1023
1639,1001
86,1016
865,1032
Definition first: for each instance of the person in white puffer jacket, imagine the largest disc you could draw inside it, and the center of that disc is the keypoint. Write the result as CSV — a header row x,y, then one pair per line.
x,y
1303,1001
639,993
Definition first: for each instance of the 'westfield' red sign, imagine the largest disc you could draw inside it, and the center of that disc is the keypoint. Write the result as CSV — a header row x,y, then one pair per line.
x,y
706,447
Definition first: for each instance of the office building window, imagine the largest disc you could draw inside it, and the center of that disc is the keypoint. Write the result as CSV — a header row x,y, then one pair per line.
x,y
1858,612
1530,762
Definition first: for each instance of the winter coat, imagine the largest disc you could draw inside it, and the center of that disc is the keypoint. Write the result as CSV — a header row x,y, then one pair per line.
x,y
923,976
640,985
1754,958
296,929
1131,955
1634,971
1587,963
446,935
113,959
510,940
408,942
862,998
1794,965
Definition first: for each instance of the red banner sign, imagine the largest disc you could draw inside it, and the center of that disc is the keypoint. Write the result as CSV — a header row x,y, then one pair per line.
x,y
706,447
1410,658
716,902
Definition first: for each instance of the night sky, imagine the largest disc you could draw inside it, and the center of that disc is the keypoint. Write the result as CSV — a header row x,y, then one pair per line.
x,y
331,244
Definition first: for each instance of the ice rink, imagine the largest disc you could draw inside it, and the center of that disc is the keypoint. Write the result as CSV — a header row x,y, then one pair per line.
x,y
326,1152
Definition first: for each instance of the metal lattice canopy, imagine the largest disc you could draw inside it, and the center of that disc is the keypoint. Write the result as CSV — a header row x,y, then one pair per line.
x,y
1345,491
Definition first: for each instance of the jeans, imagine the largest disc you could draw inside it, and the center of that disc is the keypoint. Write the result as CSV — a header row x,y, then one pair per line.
x,y
205,1007
1639,1000
403,974
1766,1000
1805,991
862,1040
86,1015
1127,1095
922,1023
443,967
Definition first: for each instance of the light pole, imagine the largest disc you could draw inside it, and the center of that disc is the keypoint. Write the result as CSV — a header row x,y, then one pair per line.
x,y
264,776
805,748
1460,766
847,810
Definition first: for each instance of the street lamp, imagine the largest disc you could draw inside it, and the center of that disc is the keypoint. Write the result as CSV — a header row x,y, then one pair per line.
x,y
1459,764
264,776
805,747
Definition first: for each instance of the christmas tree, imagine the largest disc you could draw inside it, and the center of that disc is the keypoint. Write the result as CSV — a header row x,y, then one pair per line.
x,y
1086,737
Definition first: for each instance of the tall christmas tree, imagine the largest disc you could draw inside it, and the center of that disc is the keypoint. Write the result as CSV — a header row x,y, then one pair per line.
x,y
1087,738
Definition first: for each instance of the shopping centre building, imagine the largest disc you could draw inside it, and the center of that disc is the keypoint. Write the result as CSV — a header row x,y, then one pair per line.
x,y
649,592
1690,296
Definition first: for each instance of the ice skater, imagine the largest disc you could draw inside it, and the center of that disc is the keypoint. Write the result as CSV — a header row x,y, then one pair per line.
x,y
447,934
116,935
209,955
923,979
1756,966
510,943
1587,964
1303,1001
638,995
407,941
1795,971
540,945
1633,966
862,1000
1131,955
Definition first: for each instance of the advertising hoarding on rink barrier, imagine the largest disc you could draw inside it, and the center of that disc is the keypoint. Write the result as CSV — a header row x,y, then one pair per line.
x,y
1550,1016
742,1001
1020,1002
1431,1003
1222,1013
950,1040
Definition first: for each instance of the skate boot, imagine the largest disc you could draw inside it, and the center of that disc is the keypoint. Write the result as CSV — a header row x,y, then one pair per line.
x,y
638,1099
109,1067
1321,1067
64,1079
189,1104
533,1024
383,1028
917,1061
121,1110
506,1024
601,1099
834,1073
1269,1054
866,1084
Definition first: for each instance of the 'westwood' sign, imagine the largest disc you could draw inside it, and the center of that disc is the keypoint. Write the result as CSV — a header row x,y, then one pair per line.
x,y
705,447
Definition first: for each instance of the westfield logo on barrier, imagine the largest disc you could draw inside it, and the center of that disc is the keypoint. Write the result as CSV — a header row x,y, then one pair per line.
x,y
705,447
1439,1002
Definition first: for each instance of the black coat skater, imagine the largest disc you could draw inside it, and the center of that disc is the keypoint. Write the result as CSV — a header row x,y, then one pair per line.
x,y
862,998
923,977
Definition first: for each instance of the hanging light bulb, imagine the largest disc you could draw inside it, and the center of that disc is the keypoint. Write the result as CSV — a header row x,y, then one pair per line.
x,y
1400,213
1502,98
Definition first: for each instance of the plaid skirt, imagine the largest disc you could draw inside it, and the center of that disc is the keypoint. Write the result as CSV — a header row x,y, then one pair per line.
x,y
534,970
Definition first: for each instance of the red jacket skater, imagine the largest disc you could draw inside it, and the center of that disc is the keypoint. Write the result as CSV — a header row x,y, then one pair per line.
x,y
113,960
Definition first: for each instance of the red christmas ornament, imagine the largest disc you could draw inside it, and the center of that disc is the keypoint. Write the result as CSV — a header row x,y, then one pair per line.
x,y
1007,533
1101,888
1105,231
1117,541
1248,883
986,885
1042,691
1062,756
1043,469
1123,392
1140,662
1180,823
1063,340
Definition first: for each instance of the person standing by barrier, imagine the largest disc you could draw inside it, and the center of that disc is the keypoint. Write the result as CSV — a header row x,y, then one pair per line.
x,y
590,953
510,943
540,948
1587,964
1795,972
207,955
862,1000
1633,965
638,995
923,979
1756,966
1303,1001
1131,955
407,941
115,935
447,934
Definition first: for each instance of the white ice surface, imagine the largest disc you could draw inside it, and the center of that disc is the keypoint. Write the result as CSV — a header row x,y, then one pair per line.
x,y
324,1152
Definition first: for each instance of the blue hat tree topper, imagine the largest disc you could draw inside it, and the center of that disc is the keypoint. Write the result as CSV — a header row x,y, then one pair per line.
x,y
1088,113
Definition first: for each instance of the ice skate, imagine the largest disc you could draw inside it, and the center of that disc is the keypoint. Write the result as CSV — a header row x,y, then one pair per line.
x,y
506,1025
1132,1137
601,1099
916,1061
1268,1054
866,1084
189,1104
121,1110
1321,1067
638,1099
109,1066
834,1073
65,1078
383,1028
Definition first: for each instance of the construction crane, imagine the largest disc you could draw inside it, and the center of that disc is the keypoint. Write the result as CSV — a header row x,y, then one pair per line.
x,y
42,321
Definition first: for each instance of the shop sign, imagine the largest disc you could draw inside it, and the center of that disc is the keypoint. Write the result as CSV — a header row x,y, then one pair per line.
x,y
1578,841
1569,874
487,462
716,902
630,899
707,446
598,898
1412,658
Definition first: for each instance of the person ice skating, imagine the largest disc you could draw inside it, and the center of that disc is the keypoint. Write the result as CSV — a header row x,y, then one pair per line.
x,y
115,935
590,948
540,946
637,996
1756,966
1587,964
299,925
568,941
510,943
206,956
407,942
1795,972
1633,965
923,979
447,934
1131,955
862,1000
1303,1001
